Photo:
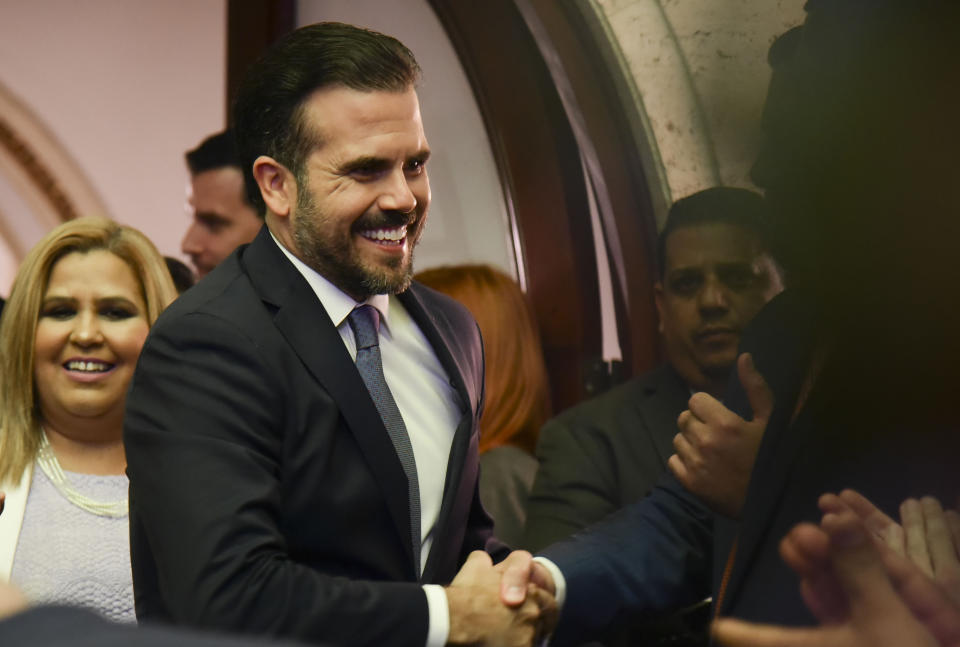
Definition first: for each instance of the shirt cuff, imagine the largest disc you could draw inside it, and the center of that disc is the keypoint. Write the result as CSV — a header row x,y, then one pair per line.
x,y
559,581
438,613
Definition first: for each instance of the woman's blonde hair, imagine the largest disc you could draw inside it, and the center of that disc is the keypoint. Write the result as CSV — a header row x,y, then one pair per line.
x,y
19,425
517,399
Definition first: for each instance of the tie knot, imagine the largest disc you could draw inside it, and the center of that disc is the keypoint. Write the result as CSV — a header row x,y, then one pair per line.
x,y
365,322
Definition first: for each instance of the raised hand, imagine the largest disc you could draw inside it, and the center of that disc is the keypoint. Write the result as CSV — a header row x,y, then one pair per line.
x,y
716,448
479,617
928,535
884,528
864,593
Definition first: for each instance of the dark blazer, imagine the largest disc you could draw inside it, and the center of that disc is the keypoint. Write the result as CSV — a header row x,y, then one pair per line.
x,y
603,454
871,429
651,555
265,494
648,559
54,626
506,475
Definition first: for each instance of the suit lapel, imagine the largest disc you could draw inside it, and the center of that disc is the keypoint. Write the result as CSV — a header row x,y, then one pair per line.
x,y
445,340
304,323
770,469
461,469
781,444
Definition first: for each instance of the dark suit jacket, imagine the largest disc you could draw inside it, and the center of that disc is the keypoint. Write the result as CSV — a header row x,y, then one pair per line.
x,y
506,475
603,454
266,496
649,558
650,554
857,429
53,626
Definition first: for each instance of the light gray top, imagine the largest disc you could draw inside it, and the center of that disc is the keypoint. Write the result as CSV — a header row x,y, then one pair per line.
x,y
67,555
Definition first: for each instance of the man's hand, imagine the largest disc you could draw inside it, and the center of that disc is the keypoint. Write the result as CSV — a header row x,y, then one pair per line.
x,y
883,528
519,570
716,448
884,600
928,535
479,617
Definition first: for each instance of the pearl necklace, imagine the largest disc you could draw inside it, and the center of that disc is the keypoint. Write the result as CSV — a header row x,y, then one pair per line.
x,y
51,467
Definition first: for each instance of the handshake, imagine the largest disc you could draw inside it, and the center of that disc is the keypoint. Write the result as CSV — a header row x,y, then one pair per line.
x,y
511,604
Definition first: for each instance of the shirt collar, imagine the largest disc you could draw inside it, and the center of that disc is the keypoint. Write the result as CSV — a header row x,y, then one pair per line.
x,y
335,301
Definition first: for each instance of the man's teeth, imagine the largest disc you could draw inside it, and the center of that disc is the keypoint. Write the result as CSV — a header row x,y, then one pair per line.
x,y
91,367
393,235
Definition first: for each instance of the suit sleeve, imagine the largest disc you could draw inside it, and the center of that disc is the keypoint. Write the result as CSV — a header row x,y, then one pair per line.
x,y
575,484
204,437
651,557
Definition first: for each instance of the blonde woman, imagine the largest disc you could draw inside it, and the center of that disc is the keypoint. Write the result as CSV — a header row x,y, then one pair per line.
x,y
78,313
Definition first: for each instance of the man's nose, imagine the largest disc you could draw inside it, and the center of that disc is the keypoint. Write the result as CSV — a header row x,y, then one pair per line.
x,y
191,243
397,194
713,295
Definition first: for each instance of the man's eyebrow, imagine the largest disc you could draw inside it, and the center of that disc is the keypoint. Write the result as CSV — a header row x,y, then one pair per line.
x,y
367,163
211,217
373,164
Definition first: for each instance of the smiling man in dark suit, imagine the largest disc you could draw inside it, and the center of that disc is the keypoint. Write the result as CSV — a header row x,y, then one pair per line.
x,y
302,428
716,272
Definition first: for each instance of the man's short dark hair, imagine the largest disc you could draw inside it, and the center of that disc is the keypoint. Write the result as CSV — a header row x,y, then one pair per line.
x,y
267,113
721,204
182,275
216,151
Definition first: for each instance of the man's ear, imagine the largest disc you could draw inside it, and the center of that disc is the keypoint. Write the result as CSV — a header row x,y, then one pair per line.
x,y
277,185
658,300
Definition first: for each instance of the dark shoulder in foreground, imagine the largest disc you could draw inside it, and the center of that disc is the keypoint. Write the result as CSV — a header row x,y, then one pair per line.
x,y
56,626
203,296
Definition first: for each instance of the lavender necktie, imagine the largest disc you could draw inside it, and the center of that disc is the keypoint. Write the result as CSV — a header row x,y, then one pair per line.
x,y
365,322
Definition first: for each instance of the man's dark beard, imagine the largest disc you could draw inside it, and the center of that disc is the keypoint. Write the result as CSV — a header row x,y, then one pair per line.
x,y
333,259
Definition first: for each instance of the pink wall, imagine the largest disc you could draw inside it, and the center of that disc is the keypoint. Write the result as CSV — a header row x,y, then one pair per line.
x,y
125,88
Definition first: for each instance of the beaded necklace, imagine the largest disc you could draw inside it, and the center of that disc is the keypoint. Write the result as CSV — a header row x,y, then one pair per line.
x,y
51,467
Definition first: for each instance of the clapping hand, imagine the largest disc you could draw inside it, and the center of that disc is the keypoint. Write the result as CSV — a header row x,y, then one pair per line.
x,y
864,592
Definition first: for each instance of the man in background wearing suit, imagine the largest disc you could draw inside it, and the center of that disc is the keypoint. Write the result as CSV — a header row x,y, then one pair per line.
x,y
223,216
301,430
716,272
